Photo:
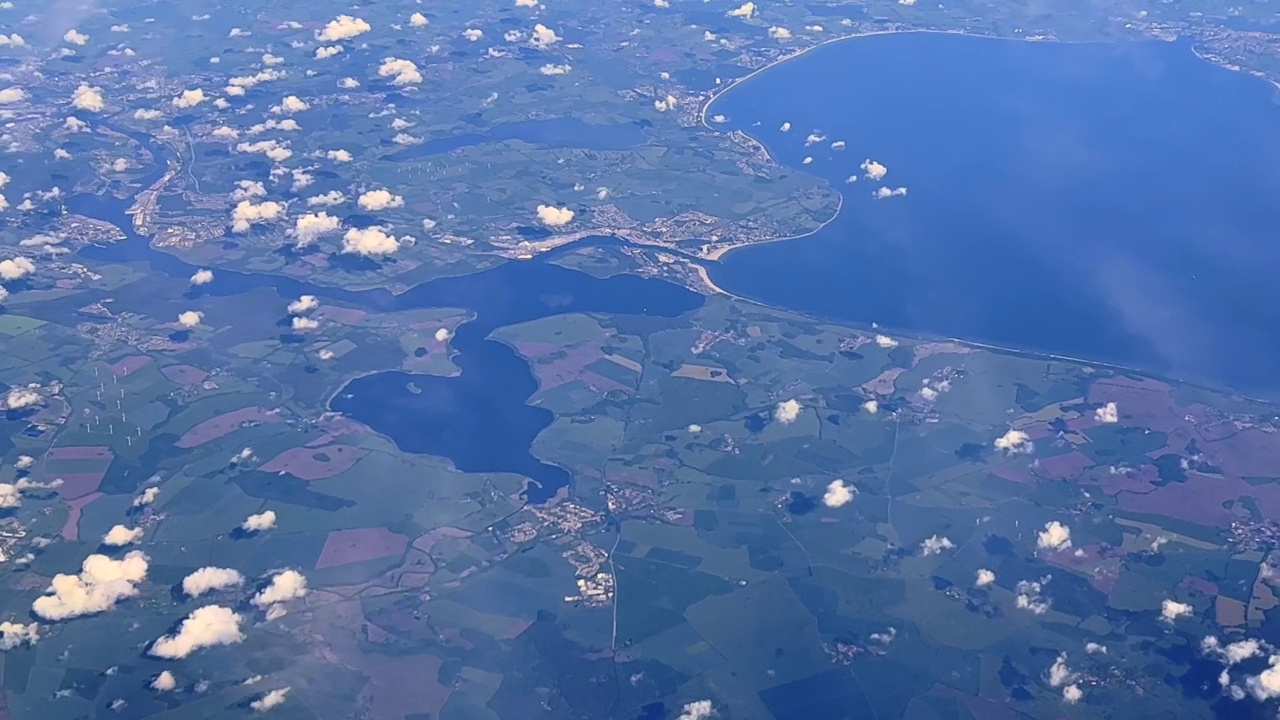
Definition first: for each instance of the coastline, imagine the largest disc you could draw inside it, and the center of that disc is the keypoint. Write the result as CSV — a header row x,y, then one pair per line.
x,y
916,334
719,253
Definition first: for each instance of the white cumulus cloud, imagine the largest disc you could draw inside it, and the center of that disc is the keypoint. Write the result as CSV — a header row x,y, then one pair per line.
x,y
552,216
310,227
873,169
343,27
164,682
1014,442
211,579
304,304
270,700
202,276
983,578
369,241
189,98
205,627
119,536
190,318
1055,536
787,411
259,522
89,98
1108,413
284,586
375,200
1171,610
402,72
101,583
838,494
935,545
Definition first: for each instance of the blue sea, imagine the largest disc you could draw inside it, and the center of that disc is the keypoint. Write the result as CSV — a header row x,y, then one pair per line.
x,y
1116,202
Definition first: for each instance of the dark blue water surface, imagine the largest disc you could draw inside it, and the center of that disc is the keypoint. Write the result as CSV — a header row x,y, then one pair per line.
x,y
553,132
479,419
1114,202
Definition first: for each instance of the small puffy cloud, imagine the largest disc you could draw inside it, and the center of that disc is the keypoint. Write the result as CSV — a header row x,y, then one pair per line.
x,y
339,155
205,627
284,586
325,52
101,583
270,700
9,496
16,268
248,213
18,398
886,342
885,193
665,103
248,190
552,216
203,276
543,36
697,710
417,20
1059,673
526,3
290,104
211,579
89,98
304,304
838,494
473,34
348,83
1171,610
12,95
1108,413
75,37
24,462
935,545
310,227
329,199
1029,595
14,634
745,10
983,578
1014,442
871,406
375,200
1055,536
443,335
259,522
787,411
147,114
119,536
303,324
271,148
369,241
779,33
164,682
1233,654
343,27
189,98
12,40
1072,693
785,127
402,72
146,497
553,69
190,318
873,169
